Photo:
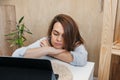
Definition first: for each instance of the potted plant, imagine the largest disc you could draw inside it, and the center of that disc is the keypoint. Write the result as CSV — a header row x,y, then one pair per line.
x,y
16,37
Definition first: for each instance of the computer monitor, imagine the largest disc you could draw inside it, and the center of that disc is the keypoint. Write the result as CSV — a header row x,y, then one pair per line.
x,y
13,68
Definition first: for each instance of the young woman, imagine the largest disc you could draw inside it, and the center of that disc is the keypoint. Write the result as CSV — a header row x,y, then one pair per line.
x,y
63,42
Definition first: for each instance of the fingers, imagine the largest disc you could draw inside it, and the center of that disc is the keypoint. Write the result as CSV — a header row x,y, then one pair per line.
x,y
44,43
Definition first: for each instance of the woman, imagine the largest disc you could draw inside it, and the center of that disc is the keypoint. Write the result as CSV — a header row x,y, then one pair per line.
x,y
64,42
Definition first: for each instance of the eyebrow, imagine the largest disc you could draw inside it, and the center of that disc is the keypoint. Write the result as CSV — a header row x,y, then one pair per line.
x,y
55,31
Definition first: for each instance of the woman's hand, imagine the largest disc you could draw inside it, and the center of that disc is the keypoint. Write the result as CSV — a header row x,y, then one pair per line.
x,y
48,49
44,43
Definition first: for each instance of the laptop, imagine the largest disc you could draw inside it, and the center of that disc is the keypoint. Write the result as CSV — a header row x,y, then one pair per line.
x,y
13,68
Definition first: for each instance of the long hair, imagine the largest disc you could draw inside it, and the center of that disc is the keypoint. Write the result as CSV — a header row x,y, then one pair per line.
x,y
72,37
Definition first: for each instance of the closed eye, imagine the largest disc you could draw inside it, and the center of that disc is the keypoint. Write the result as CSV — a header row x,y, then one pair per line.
x,y
55,33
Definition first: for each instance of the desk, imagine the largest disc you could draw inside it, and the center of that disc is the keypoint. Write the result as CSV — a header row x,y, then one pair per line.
x,y
78,73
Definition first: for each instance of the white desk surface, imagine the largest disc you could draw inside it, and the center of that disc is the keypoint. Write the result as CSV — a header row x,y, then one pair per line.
x,y
79,73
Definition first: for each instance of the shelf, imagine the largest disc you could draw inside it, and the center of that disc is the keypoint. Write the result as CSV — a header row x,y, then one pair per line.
x,y
116,49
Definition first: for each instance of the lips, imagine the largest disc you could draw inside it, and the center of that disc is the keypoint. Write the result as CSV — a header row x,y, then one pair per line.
x,y
58,44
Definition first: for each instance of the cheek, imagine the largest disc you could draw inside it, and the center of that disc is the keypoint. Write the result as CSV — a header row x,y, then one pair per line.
x,y
53,38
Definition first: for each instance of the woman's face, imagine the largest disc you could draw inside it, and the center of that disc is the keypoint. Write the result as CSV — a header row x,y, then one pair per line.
x,y
57,36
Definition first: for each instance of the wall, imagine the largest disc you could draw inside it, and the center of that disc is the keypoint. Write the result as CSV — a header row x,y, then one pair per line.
x,y
87,14
7,24
117,25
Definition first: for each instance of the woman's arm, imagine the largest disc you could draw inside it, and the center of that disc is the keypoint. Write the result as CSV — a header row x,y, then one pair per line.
x,y
60,54
42,51
79,56
35,52
20,52
65,56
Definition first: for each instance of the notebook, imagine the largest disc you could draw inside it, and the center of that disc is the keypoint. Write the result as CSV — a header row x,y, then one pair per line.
x,y
13,68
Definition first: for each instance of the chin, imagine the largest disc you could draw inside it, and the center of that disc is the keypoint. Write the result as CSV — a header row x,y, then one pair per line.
x,y
58,47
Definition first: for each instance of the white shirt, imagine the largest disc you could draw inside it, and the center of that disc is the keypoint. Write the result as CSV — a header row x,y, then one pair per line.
x,y
79,54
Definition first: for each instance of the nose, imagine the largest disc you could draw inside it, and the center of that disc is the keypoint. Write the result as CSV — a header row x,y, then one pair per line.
x,y
59,38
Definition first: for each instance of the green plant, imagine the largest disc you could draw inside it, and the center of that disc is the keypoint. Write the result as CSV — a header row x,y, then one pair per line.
x,y
16,37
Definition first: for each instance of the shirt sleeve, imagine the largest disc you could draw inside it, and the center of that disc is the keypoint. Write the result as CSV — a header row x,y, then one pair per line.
x,y
21,51
79,56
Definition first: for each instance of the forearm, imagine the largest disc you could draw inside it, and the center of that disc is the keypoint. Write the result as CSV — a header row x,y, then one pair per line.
x,y
65,56
35,53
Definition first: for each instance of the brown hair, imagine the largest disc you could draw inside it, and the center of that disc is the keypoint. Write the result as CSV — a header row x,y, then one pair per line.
x,y
72,37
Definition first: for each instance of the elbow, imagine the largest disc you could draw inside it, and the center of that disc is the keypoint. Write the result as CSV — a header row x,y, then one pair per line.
x,y
79,63
82,63
19,52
